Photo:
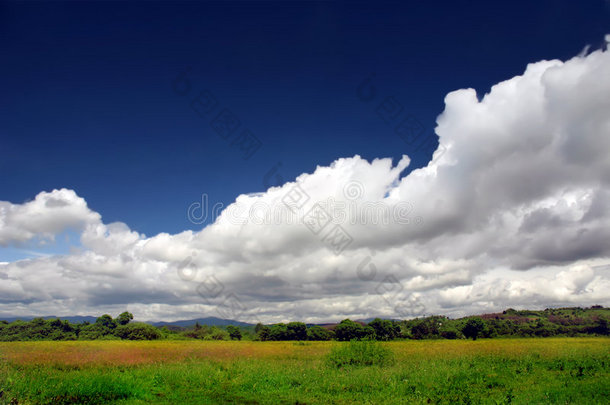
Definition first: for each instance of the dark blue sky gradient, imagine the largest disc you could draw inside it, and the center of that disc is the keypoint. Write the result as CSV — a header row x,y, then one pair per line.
x,y
86,99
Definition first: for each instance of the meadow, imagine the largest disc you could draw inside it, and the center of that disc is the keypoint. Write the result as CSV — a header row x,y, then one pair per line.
x,y
488,371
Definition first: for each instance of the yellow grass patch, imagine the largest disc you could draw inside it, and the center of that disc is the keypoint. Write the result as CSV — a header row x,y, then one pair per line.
x,y
87,353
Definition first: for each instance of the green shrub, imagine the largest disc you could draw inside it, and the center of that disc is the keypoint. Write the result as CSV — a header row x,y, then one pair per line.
x,y
93,332
360,353
109,337
137,331
474,328
450,333
350,330
215,333
316,332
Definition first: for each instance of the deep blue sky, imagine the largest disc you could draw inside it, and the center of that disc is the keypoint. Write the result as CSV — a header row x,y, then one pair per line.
x,y
86,97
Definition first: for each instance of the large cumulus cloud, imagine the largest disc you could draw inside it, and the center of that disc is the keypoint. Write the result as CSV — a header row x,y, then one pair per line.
x,y
515,213
48,214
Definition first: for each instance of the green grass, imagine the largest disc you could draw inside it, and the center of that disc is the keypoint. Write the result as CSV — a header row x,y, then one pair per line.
x,y
507,371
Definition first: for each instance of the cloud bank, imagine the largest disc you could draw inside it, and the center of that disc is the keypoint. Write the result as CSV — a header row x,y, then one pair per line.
x,y
516,213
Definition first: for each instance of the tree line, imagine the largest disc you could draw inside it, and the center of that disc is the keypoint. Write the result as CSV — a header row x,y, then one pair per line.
x,y
509,323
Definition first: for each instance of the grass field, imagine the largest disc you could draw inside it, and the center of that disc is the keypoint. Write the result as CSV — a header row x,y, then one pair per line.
x,y
500,371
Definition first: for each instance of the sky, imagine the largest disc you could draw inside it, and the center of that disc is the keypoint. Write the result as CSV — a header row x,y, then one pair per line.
x,y
310,161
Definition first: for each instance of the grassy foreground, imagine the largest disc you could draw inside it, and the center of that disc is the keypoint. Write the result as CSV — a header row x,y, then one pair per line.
x,y
517,371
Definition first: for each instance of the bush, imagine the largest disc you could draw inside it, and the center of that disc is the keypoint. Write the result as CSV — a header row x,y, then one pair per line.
x,y
474,327
216,333
109,337
360,353
124,318
318,333
137,331
450,333
278,332
296,331
350,330
93,332
106,321
207,333
385,329
234,332
263,332
426,328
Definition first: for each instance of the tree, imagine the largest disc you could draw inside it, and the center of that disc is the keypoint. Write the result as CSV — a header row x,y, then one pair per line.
x,y
198,332
137,331
278,332
385,329
105,321
215,333
450,332
296,331
263,333
124,318
350,330
601,326
259,326
421,329
234,332
318,333
473,328
94,331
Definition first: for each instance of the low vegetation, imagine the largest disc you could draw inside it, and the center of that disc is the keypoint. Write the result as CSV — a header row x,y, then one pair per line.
x,y
358,353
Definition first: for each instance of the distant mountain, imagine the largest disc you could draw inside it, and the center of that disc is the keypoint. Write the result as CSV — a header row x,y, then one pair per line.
x,y
566,315
71,319
185,323
211,321
331,325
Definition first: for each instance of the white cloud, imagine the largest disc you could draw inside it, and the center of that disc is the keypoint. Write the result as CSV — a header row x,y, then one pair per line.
x,y
516,213
48,214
